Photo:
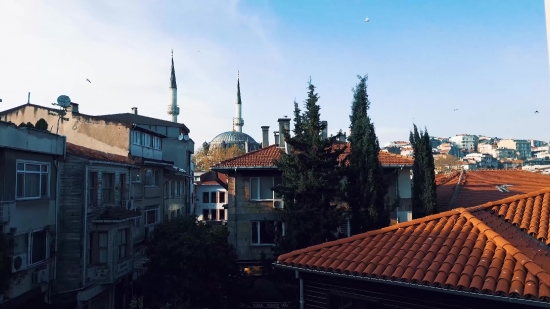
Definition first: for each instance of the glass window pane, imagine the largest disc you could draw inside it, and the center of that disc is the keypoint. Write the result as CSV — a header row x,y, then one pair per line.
x,y
254,189
266,186
267,232
20,184
32,167
102,239
254,231
102,255
277,181
44,168
213,212
44,185
32,185
20,166
38,247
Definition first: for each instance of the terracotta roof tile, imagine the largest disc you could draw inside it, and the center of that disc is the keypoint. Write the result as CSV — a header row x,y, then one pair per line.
x,y
223,177
93,154
476,250
264,158
209,183
478,187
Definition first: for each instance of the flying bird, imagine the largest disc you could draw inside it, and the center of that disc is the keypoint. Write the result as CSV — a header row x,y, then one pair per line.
x,y
88,81
455,109
536,112
367,20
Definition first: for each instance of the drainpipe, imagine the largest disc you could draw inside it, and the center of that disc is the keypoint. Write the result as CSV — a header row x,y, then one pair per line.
x,y
301,290
85,228
236,221
57,203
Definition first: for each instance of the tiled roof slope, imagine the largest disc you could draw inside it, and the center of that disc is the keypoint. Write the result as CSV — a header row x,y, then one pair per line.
x,y
92,154
483,249
478,187
264,158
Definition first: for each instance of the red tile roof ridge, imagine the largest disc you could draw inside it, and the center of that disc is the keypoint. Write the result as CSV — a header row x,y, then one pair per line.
x,y
506,245
510,199
247,154
369,233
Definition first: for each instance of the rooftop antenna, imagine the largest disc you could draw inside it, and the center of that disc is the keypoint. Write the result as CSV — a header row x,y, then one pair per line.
x,y
63,102
29,98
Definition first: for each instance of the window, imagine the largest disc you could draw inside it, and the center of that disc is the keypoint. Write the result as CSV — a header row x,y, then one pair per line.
x,y
123,244
213,197
92,188
221,197
205,197
137,222
39,246
98,247
136,137
152,177
107,187
123,193
261,188
166,190
157,144
172,188
135,176
152,215
178,188
222,214
265,232
205,214
33,180
147,140
213,214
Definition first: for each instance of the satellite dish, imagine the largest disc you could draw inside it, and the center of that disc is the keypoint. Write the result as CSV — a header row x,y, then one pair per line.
x,y
180,137
186,137
63,101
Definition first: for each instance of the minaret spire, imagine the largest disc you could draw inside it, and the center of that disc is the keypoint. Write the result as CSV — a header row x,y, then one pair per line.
x,y
238,120
173,108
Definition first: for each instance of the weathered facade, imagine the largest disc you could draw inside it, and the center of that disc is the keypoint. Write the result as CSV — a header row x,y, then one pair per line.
x,y
30,163
97,229
145,139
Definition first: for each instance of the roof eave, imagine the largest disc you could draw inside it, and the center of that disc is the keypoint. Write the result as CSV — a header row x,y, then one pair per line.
x,y
396,165
248,168
518,301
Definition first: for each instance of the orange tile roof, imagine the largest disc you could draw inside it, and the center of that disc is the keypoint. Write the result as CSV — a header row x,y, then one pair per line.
x,y
92,154
484,249
478,187
210,183
264,158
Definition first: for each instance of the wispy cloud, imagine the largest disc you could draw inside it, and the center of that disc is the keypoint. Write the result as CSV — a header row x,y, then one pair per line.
x,y
123,47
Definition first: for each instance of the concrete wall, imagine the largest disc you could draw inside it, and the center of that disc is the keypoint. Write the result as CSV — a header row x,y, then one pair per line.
x,y
241,211
31,140
81,130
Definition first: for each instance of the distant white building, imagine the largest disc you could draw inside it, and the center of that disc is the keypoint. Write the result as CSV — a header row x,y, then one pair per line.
x,y
464,141
211,196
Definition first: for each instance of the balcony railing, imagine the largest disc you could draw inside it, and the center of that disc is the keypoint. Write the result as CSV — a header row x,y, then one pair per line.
x,y
5,208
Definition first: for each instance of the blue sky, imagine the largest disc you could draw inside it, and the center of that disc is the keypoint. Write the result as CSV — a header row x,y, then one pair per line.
x,y
424,59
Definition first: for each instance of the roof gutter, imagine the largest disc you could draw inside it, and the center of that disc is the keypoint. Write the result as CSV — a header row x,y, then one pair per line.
x,y
231,168
418,286
111,163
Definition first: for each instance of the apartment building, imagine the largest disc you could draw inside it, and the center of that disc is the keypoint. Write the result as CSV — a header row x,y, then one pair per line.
x,y
521,146
212,199
30,163
465,141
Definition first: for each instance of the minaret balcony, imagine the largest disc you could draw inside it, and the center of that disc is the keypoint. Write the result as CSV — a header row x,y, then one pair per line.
x,y
173,110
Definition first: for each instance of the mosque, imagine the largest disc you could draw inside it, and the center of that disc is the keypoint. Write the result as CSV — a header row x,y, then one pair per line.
x,y
236,136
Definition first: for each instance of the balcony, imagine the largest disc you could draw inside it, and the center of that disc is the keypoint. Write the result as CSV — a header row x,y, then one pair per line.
x,y
109,273
5,209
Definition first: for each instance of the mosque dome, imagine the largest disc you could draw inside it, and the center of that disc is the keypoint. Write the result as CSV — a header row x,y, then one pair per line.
x,y
231,138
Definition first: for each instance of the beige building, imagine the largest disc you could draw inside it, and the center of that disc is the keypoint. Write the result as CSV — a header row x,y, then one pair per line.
x,y
30,163
521,146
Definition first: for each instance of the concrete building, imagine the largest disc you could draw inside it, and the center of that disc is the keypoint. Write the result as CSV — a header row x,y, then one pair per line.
x,y
465,141
99,224
30,163
521,146
212,199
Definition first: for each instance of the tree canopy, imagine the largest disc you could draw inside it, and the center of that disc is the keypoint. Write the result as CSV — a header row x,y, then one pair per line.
x,y
365,187
311,180
207,156
190,263
41,124
446,163
423,184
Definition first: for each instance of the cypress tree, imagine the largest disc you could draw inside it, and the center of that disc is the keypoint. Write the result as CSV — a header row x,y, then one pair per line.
x,y
365,188
429,194
423,184
311,179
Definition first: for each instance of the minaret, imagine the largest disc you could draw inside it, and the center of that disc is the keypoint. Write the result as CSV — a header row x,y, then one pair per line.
x,y
238,121
173,108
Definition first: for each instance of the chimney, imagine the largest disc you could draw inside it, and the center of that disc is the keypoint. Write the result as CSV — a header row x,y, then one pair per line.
x,y
276,136
74,108
134,110
325,130
343,137
284,126
265,136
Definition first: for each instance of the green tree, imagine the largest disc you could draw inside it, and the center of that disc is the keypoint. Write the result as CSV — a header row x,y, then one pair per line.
x,y
41,124
190,264
365,187
5,265
22,124
423,184
311,180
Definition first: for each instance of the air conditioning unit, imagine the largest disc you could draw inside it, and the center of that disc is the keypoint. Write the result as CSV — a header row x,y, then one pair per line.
x,y
18,262
278,204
